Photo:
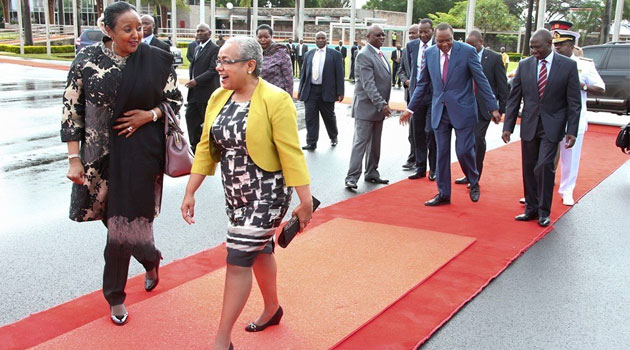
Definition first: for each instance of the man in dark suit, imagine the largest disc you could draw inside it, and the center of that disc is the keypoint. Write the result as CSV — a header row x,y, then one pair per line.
x,y
369,108
204,79
396,59
421,136
344,53
549,87
451,68
493,68
302,49
353,54
293,52
148,30
190,54
321,84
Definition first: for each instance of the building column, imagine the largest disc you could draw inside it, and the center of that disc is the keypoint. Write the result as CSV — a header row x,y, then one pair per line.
x,y
353,15
174,22
617,24
540,14
409,13
470,16
47,21
301,21
202,11
255,16
21,28
213,20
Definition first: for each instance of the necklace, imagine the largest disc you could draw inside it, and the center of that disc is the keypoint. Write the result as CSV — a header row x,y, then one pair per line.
x,y
114,50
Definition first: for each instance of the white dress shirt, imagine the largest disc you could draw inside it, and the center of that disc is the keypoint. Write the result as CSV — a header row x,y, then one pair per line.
x,y
319,58
383,59
421,50
549,59
147,40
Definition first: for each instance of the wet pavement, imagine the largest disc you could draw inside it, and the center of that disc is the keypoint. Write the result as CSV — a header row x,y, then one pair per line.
x,y
569,291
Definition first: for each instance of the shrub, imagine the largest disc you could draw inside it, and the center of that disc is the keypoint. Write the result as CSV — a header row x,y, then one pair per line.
x,y
515,56
37,49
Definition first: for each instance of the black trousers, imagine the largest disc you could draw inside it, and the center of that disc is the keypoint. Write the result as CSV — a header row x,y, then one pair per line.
x,y
351,76
480,142
300,60
294,66
195,113
117,256
538,172
395,78
315,105
423,139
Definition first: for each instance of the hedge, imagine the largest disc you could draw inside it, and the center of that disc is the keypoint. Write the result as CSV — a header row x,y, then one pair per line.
x,y
183,44
515,56
37,49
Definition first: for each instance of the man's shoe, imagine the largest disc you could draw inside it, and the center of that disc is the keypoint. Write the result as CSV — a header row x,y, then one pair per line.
x,y
567,200
437,200
522,200
409,165
310,147
334,142
544,221
432,176
418,174
461,181
526,217
474,193
377,180
351,185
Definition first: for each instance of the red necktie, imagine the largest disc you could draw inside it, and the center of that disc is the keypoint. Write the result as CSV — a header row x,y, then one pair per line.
x,y
380,54
542,78
445,69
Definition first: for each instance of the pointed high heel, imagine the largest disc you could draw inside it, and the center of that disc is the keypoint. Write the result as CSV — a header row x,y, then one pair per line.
x,y
118,320
275,320
150,284
231,347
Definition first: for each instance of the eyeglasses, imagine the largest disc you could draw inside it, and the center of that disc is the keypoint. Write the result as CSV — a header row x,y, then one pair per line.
x,y
227,62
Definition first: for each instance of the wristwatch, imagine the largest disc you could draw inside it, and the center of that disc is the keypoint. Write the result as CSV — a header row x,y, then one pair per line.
x,y
585,87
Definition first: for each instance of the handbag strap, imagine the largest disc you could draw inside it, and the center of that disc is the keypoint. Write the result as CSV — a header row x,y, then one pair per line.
x,y
170,120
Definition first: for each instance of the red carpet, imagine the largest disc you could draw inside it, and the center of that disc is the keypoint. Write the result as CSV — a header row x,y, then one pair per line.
x,y
408,321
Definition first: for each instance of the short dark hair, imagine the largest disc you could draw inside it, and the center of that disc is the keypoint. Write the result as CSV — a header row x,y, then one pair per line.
x,y
444,26
115,10
264,27
426,20
475,34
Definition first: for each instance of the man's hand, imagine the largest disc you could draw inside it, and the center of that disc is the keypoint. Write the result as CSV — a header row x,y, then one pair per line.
x,y
387,111
506,136
569,141
298,96
340,98
406,84
496,117
404,118
191,84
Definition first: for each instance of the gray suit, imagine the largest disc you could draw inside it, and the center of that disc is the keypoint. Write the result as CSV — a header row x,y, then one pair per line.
x,y
371,94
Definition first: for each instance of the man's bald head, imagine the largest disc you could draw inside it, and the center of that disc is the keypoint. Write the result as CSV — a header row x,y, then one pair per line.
x,y
540,44
148,25
413,32
475,39
376,36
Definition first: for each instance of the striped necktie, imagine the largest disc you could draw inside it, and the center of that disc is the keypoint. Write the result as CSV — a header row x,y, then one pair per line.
x,y
542,79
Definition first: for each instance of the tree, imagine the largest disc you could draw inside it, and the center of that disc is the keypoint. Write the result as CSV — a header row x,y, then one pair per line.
x,y
490,15
26,21
456,16
421,8
5,11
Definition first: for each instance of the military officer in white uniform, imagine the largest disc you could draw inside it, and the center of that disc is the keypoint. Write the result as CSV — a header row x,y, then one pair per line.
x,y
590,82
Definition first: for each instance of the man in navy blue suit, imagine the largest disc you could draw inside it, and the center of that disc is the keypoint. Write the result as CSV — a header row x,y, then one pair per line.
x,y
451,68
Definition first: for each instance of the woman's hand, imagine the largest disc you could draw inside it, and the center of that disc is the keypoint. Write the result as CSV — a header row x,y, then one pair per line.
x,y
76,172
304,212
188,209
131,121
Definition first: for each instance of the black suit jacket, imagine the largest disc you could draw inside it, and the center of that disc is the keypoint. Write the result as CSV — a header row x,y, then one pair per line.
x,y
303,48
493,68
410,62
332,76
558,109
159,43
353,49
203,71
343,50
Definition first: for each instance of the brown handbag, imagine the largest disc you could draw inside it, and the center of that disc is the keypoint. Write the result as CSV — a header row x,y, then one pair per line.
x,y
179,157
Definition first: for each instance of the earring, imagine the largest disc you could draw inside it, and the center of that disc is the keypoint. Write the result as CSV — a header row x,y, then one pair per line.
x,y
249,72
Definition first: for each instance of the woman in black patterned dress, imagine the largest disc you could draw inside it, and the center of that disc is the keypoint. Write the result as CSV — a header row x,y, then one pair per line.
x,y
112,108
251,130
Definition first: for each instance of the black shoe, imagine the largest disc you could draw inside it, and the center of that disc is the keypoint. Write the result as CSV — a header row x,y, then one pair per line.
x,y
544,221
231,346
352,185
522,200
275,320
118,320
432,176
377,180
409,165
150,284
526,217
334,142
462,181
437,200
474,193
418,174
310,147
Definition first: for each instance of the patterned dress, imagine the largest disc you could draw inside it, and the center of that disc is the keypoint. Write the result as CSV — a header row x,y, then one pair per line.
x,y
88,107
256,200
277,67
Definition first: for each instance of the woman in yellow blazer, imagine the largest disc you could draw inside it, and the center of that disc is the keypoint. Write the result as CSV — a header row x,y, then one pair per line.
x,y
250,128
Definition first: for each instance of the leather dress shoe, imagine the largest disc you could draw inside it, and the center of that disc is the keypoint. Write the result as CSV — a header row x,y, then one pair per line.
x,y
150,284
461,181
119,320
544,221
334,142
437,200
409,165
309,147
351,185
418,174
432,175
522,200
526,217
377,180
474,193
275,320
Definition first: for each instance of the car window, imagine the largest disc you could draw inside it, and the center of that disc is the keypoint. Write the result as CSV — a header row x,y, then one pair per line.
x,y
595,53
94,35
619,58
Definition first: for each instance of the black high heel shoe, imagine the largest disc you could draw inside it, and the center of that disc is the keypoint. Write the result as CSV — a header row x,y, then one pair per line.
x,y
118,320
275,320
231,347
150,284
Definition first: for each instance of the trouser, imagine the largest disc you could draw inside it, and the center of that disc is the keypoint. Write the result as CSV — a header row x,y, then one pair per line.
x,y
395,77
294,66
351,76
570,163
366,142
117,256
464,148
423,138
300,61
314,105
195,113
538,172
480,142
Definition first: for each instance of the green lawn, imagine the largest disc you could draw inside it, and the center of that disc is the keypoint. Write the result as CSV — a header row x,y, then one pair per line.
x,y
57,56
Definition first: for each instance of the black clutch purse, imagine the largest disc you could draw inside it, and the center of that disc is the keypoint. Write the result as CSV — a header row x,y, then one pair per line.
x,y
292,228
